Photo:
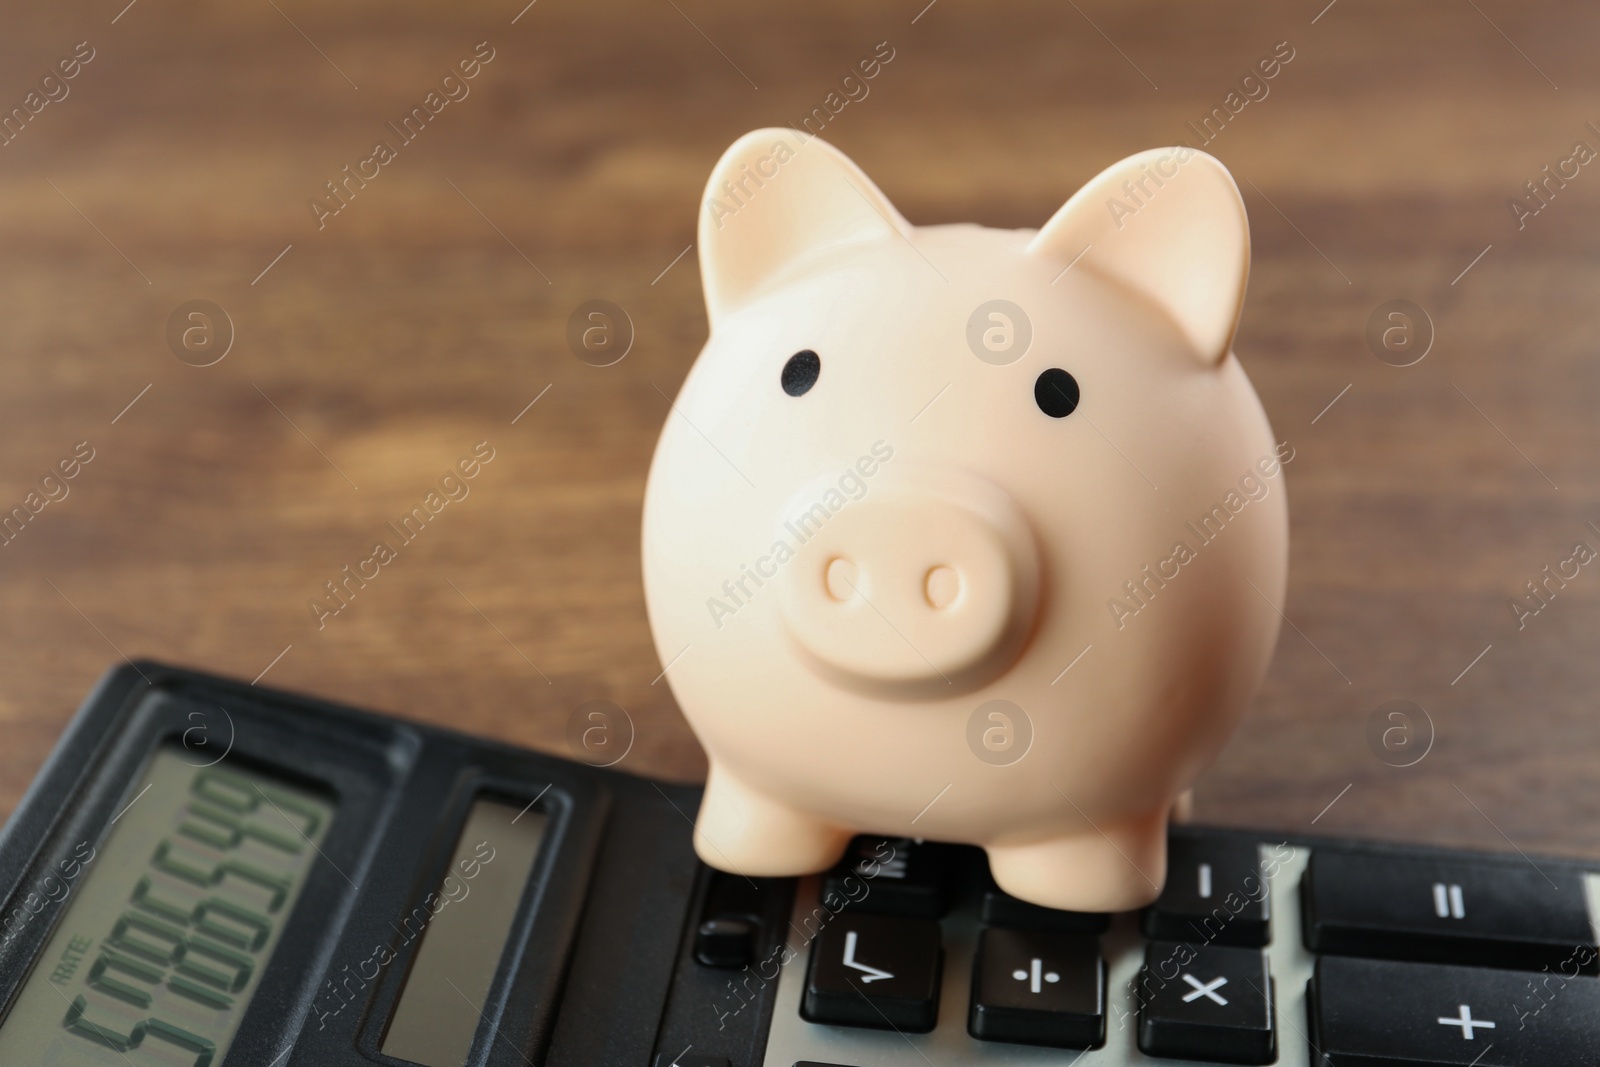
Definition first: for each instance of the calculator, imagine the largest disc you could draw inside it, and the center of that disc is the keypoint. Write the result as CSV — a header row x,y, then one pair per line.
x,y
210,874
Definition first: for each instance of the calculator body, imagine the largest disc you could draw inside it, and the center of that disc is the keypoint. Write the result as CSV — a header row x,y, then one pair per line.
x,y
210,874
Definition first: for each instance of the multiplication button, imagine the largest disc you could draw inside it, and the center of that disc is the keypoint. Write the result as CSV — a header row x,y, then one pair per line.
x,y
1206,1003
1038,988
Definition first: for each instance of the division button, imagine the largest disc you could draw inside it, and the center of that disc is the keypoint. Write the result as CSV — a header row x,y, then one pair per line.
x,y
1038,987
1492,913
877,971
1215,893
1206,1003
1435,1015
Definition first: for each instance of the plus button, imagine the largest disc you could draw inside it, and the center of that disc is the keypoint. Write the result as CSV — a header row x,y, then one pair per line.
x,y
1466,1022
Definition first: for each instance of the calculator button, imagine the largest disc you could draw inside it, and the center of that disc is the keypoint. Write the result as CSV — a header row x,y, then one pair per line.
x,y
1214,894
689,1060
1379,1012
876,971
1495,914
725,943
893,876
730,921
1206,1003
1038,988
1000,908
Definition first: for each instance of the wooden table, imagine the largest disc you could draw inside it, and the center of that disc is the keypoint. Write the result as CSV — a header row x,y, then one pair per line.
x,y
375,347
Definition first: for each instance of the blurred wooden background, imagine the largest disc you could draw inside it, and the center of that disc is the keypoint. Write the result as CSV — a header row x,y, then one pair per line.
x,y
431,310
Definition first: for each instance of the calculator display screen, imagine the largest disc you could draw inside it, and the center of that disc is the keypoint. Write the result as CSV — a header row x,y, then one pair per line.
x,y
169,921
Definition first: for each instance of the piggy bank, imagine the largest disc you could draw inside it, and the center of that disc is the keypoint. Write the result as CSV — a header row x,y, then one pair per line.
x,y
964,534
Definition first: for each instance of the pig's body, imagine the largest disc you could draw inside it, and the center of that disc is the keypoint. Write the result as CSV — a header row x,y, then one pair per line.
x,y
983,544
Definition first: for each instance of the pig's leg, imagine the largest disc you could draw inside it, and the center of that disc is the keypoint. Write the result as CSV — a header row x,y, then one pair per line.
x,y
1115,867
1183,807
743,831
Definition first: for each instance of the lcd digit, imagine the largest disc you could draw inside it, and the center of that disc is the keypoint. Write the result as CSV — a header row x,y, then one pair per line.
x,y
170,924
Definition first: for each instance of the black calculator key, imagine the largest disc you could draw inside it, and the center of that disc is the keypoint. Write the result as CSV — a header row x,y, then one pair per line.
x,y
999,908
894,876
1366,1013
725,942
1206,1003
690,1060
1487,912
1214,894
876,971
730,928
1038,987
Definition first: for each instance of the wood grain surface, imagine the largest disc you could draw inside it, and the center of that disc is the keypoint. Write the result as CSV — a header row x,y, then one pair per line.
x,y
374,348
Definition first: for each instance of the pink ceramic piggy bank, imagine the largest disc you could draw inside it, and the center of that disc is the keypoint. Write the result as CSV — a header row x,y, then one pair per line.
x,y
965,534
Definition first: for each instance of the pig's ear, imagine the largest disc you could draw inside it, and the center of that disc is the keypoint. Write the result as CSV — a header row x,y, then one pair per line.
x,y
1180,237
777,196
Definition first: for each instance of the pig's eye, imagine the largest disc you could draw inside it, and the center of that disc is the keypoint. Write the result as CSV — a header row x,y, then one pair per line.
x,y
1056,393
800,373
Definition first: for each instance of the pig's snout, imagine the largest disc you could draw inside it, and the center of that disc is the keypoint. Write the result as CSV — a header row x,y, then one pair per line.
x,y
927,584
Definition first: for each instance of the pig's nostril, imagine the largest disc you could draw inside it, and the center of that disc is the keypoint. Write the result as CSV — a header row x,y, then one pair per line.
x,y
941,586
840,578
